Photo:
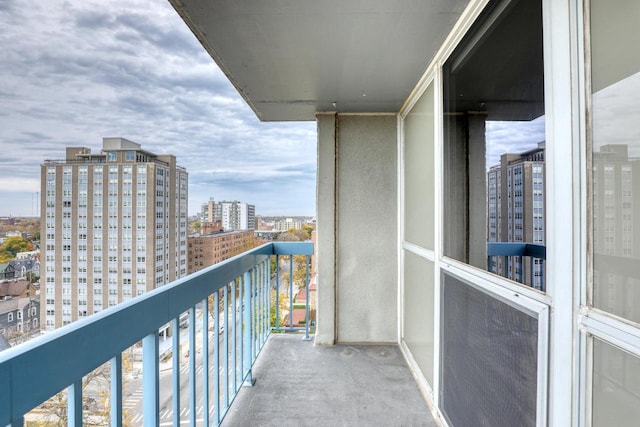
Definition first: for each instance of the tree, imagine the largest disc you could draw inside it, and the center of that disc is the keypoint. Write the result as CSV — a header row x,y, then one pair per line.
x,y
95,412
283,307
308,229
5,256
15,244
293,235
32,278
300,270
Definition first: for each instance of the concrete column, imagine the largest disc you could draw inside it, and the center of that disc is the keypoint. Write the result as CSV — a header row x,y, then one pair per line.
x,y
367,229
326,215
477,191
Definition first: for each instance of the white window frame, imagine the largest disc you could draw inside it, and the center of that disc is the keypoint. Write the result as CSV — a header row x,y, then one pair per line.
x,y
566,172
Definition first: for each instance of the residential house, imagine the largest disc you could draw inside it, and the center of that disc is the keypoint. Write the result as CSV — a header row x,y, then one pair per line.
x,y
17,289
25,266
7,271
19,319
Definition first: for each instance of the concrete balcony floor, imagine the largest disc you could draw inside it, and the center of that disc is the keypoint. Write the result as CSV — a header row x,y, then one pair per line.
x,y
299,384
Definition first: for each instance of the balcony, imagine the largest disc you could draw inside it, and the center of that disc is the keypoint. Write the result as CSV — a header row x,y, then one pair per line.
x,y
298,383
522,262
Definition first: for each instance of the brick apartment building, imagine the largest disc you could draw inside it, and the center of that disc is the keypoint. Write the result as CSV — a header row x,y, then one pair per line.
x,y
206,250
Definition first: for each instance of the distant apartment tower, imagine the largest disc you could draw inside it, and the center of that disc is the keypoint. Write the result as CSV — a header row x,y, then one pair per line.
x,y
516,206
235,215
231,215
286,224
113,226
206,211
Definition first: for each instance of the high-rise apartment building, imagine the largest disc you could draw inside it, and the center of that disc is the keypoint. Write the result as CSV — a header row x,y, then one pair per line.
x,y
233,215
114,226
515,208
615,237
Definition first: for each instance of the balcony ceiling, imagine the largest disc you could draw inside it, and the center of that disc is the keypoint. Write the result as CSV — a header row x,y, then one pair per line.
x,y
292,58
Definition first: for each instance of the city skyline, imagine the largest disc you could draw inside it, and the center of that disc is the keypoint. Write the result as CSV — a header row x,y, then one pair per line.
x,y
74,75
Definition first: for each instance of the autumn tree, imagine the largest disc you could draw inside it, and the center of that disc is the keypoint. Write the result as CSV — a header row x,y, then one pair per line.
x,y
14,244
293,235
308,229
96,410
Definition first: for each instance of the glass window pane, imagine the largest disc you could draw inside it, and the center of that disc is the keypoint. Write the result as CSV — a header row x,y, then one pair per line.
x,y
418,311
494,148
615,63
418,170
616,386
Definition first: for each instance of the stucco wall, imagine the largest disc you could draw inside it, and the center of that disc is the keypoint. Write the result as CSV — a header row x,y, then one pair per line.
x,y
357,229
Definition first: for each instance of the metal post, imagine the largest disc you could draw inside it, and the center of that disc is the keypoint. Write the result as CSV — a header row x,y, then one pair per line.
x,y
258,308
249,381
74,404
234,323
116,391
291,292
266,300
226,345
150,380
205,360
216,355
192,365
176,371
306,316
277,325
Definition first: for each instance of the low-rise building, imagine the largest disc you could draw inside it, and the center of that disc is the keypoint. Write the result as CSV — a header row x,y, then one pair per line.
x,y
19,319
7,271
209,249
25,266
17,289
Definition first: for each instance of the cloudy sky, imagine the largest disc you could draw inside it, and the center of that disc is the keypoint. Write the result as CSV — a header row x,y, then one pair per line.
x,y
512,137
74,72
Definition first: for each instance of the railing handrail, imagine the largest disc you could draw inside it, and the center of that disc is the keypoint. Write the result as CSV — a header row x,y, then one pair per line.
x,y
534,250
59,356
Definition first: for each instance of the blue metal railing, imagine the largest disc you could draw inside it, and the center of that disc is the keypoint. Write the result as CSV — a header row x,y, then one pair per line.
x,y
38,369
515,253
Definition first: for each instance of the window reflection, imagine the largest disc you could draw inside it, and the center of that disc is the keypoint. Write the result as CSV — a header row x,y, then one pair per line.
x,y
615,183
616,386
494,144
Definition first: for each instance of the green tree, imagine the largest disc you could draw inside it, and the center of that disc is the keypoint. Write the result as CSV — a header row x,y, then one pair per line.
x,y
32,278
308,229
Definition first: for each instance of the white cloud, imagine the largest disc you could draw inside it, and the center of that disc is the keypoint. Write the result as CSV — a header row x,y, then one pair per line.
x,y
76,72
